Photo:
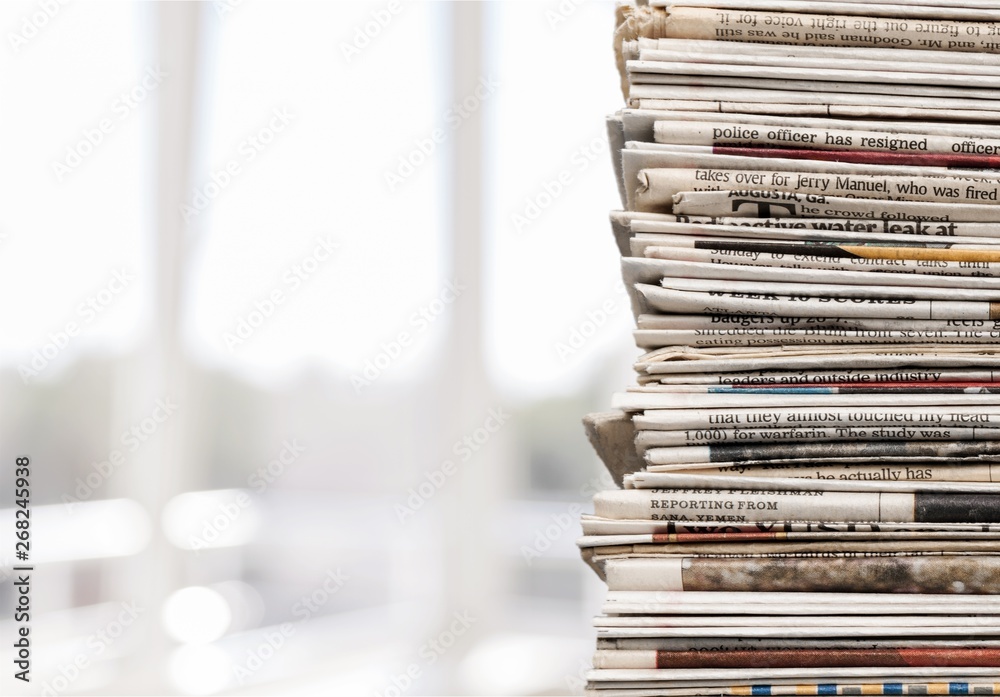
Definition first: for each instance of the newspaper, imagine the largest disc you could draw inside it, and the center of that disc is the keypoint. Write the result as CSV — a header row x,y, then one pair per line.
x,y
786,633
698,276
816,302
853,686
817,686
875,65
894,403
657,187
797,337
848,418
810,250
802,658
636,157
772,673
819,335
928,160
979,494
744,544
975,10
825,102
646,440
869,388
716,133
779,155
680,531
821,377
833,30
908,234
649,125
878,69
938,4
887,473
809,244
978,264
660,84
761,505
959,60
814,228
895,687
654,79
915,352
782,155
677,361
871,445
668,67
838,290
690,275
714,620
736,472
717,321
932,574
601,553
793,603
849,110
759,203
915,686
722,646
867,253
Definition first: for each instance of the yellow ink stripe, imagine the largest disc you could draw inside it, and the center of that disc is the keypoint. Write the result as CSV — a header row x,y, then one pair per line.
x,y
921,253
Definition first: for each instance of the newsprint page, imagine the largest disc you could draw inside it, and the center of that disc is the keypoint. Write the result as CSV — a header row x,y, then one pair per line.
x,y
808,461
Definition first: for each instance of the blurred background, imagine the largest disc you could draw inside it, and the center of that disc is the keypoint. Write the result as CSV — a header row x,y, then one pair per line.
x,y
302,304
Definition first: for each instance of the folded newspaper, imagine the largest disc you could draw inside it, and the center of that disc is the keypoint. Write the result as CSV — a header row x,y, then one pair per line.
x,y
809,460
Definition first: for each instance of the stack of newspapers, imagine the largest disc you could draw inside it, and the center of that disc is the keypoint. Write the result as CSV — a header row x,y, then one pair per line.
x,y
809,461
